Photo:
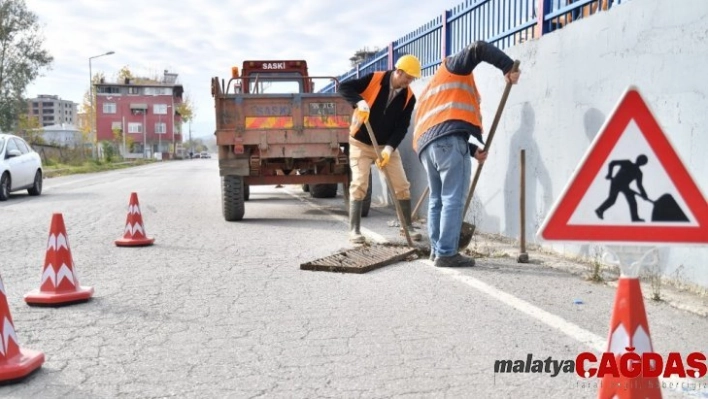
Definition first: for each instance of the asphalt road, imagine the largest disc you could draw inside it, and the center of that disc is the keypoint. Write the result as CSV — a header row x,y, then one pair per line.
x,y
218,309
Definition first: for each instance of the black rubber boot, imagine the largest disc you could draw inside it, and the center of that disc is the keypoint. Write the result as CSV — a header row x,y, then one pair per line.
x,y
355,236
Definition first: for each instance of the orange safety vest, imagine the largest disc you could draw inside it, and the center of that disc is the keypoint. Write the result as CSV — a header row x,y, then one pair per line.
x,y
374,87
448,96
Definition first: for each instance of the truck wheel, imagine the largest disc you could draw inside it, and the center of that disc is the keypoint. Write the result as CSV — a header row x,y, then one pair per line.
x,y
367,200
232,197
306,188
246,192
323,190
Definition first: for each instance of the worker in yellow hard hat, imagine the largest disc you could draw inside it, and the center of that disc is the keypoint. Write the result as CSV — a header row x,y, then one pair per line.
x,y
384,99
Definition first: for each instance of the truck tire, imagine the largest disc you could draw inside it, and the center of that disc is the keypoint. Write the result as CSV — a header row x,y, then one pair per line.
x,y
232,197
306,188
366,205
323,190
246,192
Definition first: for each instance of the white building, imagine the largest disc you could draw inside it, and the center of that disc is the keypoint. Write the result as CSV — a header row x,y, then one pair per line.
x,y
62,134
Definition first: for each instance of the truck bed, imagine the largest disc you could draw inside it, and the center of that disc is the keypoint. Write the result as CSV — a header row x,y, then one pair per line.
x,y
309,125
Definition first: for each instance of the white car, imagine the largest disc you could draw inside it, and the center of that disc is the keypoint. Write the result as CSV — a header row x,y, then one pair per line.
x,y
20,167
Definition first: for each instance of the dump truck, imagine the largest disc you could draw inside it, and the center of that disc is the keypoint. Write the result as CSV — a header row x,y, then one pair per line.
x,y
273,129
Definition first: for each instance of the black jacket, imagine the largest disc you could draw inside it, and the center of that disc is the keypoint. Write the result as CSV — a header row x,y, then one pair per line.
x,y
390,123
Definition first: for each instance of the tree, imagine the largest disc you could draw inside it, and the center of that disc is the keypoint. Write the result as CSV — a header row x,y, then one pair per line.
x,y
21,58
88,107
186,110
362,55
125,73
29,128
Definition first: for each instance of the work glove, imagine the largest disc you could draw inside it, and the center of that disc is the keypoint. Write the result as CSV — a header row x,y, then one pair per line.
x,y
359,117
385,157
362,111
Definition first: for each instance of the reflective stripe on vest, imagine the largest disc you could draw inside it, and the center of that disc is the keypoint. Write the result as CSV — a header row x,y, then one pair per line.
x,y
447,97
374,87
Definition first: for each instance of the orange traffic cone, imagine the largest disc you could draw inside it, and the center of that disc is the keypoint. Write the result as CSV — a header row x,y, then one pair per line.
x,y
629,328
15,363
134,234
59,284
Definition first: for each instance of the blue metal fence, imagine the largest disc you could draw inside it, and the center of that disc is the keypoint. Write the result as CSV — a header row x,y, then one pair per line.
x,y
503,23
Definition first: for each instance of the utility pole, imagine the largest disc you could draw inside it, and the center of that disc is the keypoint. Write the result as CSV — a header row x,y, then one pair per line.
x,y
123,132
159,137
145,134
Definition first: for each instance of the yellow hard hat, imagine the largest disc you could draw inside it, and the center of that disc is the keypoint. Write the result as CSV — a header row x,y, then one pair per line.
x,y
409,64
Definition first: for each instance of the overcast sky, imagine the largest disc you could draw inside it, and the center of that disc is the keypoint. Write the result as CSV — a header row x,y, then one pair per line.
x,y
200,39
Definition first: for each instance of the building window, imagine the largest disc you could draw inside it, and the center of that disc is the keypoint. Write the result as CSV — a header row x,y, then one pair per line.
x,y
109,108
133,90
135,127
160,128
108,89
158,91
159,109
116,125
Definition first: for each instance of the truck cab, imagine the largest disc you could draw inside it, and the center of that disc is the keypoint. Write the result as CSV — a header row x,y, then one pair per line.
x,y
268,77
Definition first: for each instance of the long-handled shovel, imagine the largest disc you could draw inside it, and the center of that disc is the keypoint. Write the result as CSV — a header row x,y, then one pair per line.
x,y
399,211
468,228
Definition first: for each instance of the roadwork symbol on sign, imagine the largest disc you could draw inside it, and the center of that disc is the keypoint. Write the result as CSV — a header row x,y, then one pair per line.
x,y
631,187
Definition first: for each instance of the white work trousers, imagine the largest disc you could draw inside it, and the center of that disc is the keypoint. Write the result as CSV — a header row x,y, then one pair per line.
x,y
361,157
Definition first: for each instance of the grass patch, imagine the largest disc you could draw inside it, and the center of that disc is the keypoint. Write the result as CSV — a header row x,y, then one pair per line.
x,y
596,272
54,169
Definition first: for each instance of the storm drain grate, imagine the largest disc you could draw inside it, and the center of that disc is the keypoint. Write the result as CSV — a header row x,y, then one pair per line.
x,y
360,259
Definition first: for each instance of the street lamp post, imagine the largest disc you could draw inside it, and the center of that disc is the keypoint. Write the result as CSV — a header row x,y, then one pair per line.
x,y
93,104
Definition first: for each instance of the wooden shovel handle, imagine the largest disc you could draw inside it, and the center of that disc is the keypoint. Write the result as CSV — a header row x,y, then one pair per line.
x,y
399,210
488,143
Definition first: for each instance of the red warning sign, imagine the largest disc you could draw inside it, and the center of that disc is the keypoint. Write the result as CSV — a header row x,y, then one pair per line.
x,y
631,187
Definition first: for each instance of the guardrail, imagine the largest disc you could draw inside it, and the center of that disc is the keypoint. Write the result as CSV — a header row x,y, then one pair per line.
x,y
503,23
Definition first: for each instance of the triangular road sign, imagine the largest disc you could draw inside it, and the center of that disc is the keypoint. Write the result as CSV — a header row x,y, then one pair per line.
x,y
631,187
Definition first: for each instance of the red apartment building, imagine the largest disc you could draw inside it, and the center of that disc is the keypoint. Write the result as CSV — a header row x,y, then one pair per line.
x,y
145,111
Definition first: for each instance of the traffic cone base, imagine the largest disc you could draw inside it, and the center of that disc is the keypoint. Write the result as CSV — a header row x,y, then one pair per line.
x,y
59,283
134,234
37,297
20,366
134,242
15,362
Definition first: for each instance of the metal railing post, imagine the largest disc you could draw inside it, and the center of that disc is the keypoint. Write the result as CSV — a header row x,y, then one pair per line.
x,y
390,56
445,36
543,8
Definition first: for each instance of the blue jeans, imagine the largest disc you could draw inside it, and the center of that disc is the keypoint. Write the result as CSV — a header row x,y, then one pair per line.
x,y
448,165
